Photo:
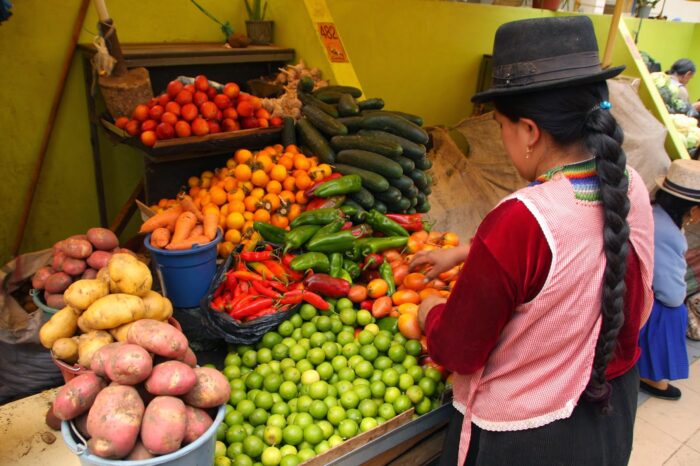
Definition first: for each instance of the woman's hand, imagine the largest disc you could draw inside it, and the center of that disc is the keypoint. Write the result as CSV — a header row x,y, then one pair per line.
x,y
440,260
428,303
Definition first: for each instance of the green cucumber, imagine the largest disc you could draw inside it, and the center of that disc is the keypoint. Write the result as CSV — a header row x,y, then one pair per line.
x,y
288,134
353,91
390,196
371,104
370,180
329,97
430,179
413,201
396,125
379,146
410,148
324,122
306,84
370,161
403,204
427,190
411,192
423,208
403,182
415,119
421,198
407,165
347,106
315,141
363,197
419,178
424,163
411,211
308,99
352,123
380,207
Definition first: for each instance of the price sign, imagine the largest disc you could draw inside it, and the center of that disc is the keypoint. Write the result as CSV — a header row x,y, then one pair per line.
x,y
331,40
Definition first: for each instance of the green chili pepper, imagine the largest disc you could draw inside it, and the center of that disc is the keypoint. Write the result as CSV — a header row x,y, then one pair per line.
x,y
316,261
365,246
380,222
317,217
297,237
354,210
336,264
352,268
270,233
345,276
343,185
387,274
332,227
335,242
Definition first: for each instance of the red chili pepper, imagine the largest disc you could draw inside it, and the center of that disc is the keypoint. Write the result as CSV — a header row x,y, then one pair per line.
x,y
219,290
245,287
239,302
264,312
327,285
316,203
277,270
218,304
261,288
315,300
277,286
367,304
231,281
293,274
247,275
240,267
296,286
252,307
310,192
410,222
292,297
250,256
360,231
347,226
373,261
287,259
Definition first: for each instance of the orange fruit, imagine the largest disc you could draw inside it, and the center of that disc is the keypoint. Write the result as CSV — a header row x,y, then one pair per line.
x,y
194,191
450,239
273,200
286,161
242,172
236,206
278,148
224,209
206,183
207,174
248,215
301,198
424,293
410,308
233,236
291,148
294,211
225,248
409,327
230,183
193,181
405,296
231,163
265,162
278,172
259,178
251,203
326,169
301,162
274,187
377,288
287,197
248,228
290,184
261,215
279,221
242,155
210,209
246,186
414,281
235,221
257,192
218,195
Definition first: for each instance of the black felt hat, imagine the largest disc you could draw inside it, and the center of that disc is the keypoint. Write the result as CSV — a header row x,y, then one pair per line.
x,y
537,54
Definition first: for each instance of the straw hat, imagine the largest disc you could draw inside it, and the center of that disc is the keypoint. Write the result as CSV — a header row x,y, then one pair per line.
x,y
544,53
682,179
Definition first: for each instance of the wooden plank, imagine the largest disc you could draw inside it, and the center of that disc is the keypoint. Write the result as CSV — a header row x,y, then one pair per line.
x,y
122,219
612,33
395,453
424,452
191,49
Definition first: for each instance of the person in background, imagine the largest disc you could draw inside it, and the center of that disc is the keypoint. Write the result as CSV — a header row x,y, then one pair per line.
x,y
682,72
542,326
664,355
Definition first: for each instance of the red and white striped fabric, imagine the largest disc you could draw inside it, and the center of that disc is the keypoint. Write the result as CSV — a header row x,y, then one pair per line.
x,y
542,362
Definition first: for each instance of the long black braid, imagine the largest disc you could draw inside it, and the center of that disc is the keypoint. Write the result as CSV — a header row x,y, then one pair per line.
x,y
572,116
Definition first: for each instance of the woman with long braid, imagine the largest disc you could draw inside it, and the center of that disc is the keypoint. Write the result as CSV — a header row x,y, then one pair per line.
x,y
542,326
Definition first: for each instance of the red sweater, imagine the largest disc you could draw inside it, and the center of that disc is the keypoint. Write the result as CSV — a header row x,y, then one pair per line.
x,y
507,267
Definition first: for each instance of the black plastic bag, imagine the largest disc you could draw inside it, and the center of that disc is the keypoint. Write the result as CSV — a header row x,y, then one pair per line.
x,y
226,327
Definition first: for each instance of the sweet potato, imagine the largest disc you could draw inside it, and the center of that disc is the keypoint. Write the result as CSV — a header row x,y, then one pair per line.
x,y
77,248
103,239
74,267
81,294
58,282
198,421
102,357
89,343
189,358
57,261
55,301
171,378
66,349
62,324
99,259
89,274
164,424
129,275
77,396
39,278
139,453
128,364
113,310
211,390
158,338
114,421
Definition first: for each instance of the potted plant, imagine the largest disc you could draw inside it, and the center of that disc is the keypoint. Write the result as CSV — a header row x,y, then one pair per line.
x,y
259,30
644,7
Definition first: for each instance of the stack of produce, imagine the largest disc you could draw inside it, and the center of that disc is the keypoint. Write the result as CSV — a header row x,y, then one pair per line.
x,y
198,109
101,310
288,105
267,186
689,130
670,89
157,401
385,148
79,256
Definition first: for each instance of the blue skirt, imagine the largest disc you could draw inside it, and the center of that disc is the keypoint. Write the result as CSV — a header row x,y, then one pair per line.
x,y
662,340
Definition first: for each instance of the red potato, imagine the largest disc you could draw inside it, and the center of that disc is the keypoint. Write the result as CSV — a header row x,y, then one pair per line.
x,y
80,237
171,378
198,421
103,239
128,365
114,421
58,282
58,246
39,278
139,453
74,267
77,248
77,396
101,357
89,274
56,301
189,358
99,259
211,390
158,338
57,261
164,424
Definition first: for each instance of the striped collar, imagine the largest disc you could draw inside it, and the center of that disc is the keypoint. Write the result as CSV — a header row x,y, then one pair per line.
x,y
583,177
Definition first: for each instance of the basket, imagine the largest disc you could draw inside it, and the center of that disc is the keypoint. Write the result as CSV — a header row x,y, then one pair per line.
x,y
36,297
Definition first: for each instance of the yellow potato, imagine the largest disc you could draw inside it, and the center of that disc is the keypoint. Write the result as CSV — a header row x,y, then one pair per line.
x,y
81,294
157,307
112,311
103,275
121,332
66,349
89,343
129,275
62,324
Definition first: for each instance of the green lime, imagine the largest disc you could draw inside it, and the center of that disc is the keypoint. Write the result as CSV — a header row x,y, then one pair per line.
x,y
364,369
297,352
303,403
369,352
236,448
405,381
386,410
303,341
415,394
364,317
318,409
292,407
293,434
423,406
376,375
354,360
305,454
286,363
253,446
272,382
336,324
330,401
232,372
374,328
317,339
280,351
330,336
322,447
390,377
339,362
245,407
397,353
303,420
330,350
236,396
365,337
263,368
258,417
354,414
250,358
382,342
343,386
280,408
288,450
237,384
349,399
308,329
286,328
318,390
235,434
304,365
316,356
234,418
270,339
272,435
363,391
245,370
296,320
428,386
368,408
271,456
348,316
221,431
413,347
344,303
399,369
289,342
324,324
307,312
277,420
263,400
368,423
220,449
254,380
399,338
346,373
296,334
433,373
335,415
402,403
347,428
326,428
310,376
222,460
325,370
242,349
313,434
410,361
292,374
391,394
289,460
345,337
275,366
242,459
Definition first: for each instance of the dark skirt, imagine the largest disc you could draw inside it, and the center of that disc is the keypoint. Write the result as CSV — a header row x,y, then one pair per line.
x,y
662,340
586,438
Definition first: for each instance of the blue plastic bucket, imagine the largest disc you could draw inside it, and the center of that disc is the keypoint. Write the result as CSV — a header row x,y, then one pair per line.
x,y
185,275
198,453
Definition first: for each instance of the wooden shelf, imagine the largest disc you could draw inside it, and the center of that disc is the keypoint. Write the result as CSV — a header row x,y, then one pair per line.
x,y
196,53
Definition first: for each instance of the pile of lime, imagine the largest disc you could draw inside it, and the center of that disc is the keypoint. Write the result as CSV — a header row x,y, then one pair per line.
x,y
319,379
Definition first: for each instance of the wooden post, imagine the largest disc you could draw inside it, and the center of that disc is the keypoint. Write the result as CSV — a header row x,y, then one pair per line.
x,y
612,33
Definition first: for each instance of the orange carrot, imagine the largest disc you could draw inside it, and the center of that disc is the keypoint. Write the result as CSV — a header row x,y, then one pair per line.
x,y
188,204
198,230
187,243
211,223
184,226
160,237
165,219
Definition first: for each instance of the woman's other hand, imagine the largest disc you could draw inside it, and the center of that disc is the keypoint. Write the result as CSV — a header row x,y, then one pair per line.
x,y
439,260
426,305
